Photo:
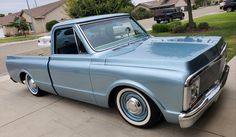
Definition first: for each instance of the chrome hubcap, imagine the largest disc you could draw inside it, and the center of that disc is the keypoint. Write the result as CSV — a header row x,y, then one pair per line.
x,y
32,85
134,106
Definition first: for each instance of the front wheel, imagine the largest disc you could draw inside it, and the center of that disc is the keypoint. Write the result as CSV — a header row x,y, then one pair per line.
x,y
32,87
137,109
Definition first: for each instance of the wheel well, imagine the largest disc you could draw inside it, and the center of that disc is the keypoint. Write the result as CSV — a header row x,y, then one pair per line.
x,y
22,76
114,92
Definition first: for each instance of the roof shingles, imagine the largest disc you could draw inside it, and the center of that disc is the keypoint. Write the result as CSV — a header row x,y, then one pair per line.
x,y
42,11
159,3
39,12
6,20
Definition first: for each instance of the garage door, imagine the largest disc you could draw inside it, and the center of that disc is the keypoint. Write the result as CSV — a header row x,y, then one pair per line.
x,y
1,32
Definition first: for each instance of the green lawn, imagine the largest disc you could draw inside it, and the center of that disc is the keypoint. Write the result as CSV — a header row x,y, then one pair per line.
x,y
225,25
14,39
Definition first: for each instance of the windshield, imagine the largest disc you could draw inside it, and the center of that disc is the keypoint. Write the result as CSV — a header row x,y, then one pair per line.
x,y
109,33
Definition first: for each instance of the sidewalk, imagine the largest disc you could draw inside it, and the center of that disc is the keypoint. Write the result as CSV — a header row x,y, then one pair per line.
x,y
24,115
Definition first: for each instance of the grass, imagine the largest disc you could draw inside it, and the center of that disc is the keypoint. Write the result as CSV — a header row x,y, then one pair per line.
x,y
14,39
224,24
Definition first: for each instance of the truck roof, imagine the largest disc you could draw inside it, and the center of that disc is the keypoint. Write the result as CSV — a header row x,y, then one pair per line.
x,y
90,18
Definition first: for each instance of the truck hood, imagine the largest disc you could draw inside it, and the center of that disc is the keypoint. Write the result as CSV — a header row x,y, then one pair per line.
x,y
172,53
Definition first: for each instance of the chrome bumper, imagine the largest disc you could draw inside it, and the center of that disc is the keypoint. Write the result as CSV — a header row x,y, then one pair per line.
x,y
187,119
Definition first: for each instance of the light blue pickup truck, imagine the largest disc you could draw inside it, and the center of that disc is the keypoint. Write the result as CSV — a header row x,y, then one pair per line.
x,y
110,60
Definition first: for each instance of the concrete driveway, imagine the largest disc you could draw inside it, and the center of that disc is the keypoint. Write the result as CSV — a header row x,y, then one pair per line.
x,y
23,115
203,11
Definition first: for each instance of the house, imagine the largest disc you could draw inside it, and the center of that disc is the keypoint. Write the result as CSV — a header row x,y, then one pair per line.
x,y
36,17
159,4
43,14
7,20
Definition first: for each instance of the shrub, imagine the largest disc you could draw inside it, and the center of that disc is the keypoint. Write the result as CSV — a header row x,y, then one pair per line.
x,y
179,29
194,25
203,26
50,24
194,7
8,35
141,13
160,28
174,24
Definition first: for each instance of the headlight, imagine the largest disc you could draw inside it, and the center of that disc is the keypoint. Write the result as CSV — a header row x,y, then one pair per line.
x,y
194,89
191,93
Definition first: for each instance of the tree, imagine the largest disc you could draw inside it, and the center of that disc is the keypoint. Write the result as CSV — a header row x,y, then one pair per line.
x,y
20,24
141,13
83,8
2,15
191,24
50,24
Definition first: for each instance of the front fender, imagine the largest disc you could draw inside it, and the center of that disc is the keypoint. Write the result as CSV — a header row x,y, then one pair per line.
x,y
136,85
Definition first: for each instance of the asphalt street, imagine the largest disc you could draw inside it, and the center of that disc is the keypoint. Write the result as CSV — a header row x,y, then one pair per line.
x,y
13,49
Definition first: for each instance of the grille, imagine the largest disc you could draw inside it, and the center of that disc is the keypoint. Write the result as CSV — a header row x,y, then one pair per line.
x,y
211,75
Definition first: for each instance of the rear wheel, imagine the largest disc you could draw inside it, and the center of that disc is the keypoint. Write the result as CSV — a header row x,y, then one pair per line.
x,y
32,87
229,9
137,109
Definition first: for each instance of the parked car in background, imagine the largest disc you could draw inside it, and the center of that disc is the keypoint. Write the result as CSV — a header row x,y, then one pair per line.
x,y
110,60
168,14
230,5
44,41
222,5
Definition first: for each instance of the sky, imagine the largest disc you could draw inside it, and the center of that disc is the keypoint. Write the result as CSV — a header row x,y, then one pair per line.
x,y
11,6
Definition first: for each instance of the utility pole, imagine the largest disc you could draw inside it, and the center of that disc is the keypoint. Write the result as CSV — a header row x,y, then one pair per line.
x,y
35,2
30,16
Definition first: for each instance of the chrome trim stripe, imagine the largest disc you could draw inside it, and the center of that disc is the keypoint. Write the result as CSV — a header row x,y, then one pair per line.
x,y
186,95
85,37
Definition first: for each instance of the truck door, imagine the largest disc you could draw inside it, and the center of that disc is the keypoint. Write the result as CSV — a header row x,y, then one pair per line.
x,y
69,66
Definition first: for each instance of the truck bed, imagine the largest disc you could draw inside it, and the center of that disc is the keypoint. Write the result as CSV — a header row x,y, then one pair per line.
x,y
34,63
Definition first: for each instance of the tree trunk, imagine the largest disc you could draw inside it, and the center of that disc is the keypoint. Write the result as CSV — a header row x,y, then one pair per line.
x,y
24,33
190,15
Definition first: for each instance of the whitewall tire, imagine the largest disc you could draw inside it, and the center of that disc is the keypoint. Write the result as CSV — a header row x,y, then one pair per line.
x,y
136,108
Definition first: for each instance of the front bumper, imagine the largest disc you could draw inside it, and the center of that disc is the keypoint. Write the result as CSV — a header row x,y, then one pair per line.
x,y
187,119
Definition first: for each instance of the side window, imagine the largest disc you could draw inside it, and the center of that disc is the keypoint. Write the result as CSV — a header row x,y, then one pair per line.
x,y
67,42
